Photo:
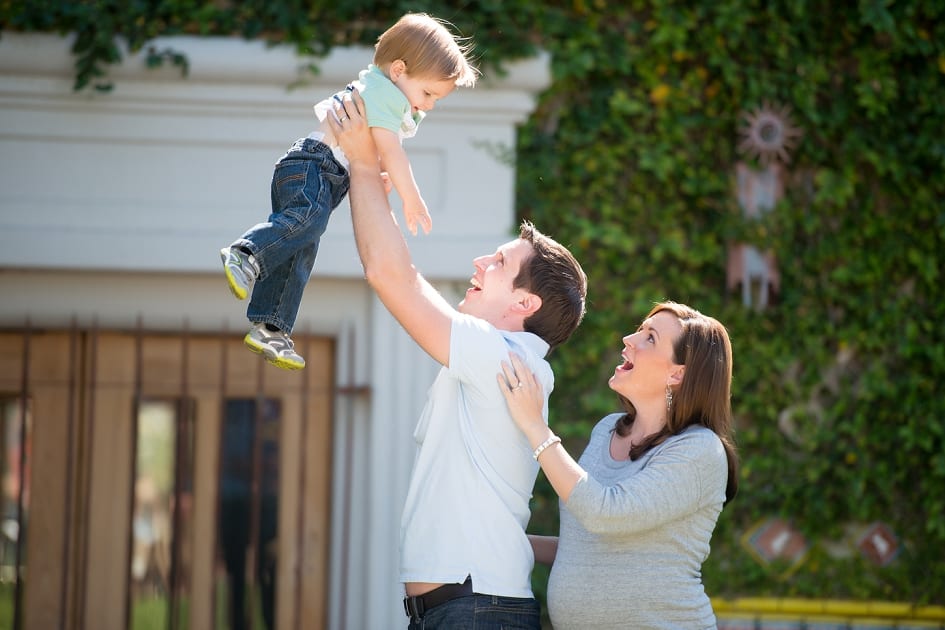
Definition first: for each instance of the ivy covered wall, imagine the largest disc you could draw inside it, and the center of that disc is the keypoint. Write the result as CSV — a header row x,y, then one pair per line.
x,y
631,158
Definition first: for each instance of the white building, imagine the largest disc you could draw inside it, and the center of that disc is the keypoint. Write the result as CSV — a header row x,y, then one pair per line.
x,y
120,336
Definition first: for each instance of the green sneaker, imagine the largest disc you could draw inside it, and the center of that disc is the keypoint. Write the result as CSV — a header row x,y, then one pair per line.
x,y
275,345
241,271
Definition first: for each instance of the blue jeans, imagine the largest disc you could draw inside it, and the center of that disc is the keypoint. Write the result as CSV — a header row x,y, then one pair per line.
x,y
482,612
307,185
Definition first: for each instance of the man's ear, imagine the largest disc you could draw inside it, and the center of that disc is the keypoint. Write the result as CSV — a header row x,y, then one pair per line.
x,y
397,68
676,375
528,304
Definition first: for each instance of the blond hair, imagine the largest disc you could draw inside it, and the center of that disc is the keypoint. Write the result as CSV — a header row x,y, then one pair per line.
x,y
427,48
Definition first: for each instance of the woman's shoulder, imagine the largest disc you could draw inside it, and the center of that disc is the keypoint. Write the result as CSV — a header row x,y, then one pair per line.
x,y
698,434
699,439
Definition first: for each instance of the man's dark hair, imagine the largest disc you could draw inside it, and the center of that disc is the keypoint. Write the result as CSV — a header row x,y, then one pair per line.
x,y
553,274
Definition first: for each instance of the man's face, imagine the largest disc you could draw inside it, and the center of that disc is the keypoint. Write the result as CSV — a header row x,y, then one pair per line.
x,y
491,296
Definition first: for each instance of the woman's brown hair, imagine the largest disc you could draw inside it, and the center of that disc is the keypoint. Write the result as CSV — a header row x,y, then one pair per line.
x,y
704,395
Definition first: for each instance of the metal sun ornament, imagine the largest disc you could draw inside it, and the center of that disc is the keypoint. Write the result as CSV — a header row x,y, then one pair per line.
x,y
768,135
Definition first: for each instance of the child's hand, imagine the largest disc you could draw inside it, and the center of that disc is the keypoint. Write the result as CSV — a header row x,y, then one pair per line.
x,y
417,214
388,184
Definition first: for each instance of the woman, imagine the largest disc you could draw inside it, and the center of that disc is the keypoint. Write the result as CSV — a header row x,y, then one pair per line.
x,y
639,507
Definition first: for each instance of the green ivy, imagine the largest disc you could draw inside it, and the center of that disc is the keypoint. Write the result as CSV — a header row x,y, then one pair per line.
x,y
313,27
630,157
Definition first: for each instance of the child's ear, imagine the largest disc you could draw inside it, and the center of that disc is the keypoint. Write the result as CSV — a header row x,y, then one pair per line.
x,y
397,68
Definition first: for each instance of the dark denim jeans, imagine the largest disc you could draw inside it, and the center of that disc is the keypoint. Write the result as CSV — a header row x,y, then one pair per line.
x,y
482,612
307,185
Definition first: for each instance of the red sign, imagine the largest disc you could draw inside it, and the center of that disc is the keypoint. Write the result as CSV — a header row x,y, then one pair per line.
x,y
879,544
776,539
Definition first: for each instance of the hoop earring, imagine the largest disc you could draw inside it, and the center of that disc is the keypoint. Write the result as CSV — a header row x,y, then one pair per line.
x,y
669,399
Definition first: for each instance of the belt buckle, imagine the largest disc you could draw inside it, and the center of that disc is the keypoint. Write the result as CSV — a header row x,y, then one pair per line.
x,y
414,607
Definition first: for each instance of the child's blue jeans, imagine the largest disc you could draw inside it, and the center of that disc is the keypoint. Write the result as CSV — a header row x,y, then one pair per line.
x,y
307,185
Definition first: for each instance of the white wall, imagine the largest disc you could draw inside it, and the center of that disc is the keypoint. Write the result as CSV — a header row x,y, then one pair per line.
x,y
95,181
113,208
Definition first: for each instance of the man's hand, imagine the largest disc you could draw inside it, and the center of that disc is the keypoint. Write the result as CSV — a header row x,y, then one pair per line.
x,y
351,130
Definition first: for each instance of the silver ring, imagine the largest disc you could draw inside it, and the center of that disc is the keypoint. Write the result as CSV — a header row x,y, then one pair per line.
x,y
519,386
342,119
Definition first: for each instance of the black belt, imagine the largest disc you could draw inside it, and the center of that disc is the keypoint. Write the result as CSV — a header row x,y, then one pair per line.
x,y
418,605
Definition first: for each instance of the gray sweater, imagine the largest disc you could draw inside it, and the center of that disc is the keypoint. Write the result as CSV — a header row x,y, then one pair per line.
x,y
634,535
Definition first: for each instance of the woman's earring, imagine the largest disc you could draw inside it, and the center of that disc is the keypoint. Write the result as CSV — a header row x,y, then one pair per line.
x,y
669,398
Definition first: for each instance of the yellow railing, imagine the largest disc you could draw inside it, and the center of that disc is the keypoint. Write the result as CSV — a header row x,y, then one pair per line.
x,y
854,613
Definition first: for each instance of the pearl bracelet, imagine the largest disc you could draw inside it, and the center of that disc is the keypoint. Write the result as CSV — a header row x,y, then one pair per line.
x,y
554,439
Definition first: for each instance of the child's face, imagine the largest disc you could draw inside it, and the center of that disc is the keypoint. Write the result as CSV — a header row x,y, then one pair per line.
x,y
423,93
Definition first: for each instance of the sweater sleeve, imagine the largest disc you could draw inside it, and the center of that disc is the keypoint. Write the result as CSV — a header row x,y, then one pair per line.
x,y
677,478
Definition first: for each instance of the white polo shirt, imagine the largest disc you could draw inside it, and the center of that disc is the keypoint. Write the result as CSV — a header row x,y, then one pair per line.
x,y
467,504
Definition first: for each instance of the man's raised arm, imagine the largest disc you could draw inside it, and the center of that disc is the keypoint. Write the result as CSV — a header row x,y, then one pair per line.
x,y
419,308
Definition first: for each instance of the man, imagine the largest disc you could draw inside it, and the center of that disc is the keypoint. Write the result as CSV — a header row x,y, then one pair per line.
x,y
465,557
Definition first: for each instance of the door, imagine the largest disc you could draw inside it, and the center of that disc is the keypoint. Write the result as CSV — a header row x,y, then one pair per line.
x,y
157,480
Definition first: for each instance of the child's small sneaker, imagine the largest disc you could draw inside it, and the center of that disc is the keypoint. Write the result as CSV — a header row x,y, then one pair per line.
x,y
241,271
275,345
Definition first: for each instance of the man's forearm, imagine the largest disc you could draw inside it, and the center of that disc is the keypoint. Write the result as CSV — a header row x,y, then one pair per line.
x,y
380,243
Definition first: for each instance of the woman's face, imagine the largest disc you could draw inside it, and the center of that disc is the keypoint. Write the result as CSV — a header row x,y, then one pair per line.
x,y
647,359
